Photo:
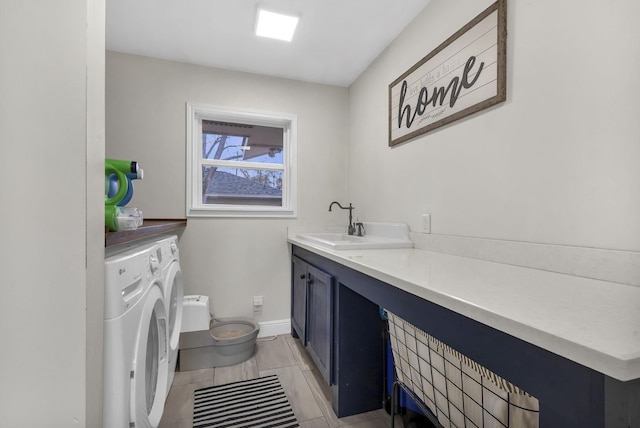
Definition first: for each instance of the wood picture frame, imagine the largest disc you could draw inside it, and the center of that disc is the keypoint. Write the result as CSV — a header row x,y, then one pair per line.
x,y
465,74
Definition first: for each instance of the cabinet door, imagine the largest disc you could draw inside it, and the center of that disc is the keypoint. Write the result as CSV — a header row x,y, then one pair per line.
x,y
320,319
299,298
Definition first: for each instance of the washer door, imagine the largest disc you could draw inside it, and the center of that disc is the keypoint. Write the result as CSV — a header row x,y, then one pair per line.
x,y
150,364
174,294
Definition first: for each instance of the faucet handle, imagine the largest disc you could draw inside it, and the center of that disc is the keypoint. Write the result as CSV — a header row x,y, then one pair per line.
x,y
360,227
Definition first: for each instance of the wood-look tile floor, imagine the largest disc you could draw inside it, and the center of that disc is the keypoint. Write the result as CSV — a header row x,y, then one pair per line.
x,y
283,355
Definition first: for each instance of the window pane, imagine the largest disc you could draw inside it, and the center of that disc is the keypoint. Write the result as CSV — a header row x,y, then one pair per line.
x,y
241,186
240,162
241,142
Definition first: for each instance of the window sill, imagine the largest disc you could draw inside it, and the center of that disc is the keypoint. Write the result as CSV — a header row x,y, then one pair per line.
x,y
243,213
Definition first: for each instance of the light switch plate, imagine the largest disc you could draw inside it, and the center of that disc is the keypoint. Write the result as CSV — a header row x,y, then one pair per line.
x,y
426,223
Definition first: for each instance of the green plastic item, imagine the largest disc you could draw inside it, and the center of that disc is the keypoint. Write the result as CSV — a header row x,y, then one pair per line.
x,y
111,217
120,168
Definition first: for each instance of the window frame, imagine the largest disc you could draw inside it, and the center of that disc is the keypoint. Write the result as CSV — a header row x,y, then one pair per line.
x,y
288,122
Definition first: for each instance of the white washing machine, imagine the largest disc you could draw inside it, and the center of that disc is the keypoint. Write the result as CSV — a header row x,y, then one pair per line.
x,y
173,297
135,339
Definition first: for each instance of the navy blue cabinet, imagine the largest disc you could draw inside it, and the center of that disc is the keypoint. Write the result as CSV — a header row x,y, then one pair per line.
x,y
312,313
340,330
299,298
320,319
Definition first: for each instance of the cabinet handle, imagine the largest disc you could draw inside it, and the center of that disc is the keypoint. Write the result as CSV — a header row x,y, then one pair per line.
x,y
303,276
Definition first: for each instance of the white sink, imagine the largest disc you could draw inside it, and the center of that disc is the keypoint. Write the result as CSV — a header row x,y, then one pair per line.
x,y
377,235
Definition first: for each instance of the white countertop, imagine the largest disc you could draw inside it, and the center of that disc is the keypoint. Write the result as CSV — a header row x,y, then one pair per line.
x,y
594,323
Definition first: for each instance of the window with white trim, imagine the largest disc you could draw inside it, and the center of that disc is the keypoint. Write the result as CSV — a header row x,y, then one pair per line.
x,y
240,163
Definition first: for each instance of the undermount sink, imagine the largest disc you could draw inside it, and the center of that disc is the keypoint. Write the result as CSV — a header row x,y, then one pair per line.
x,y
377,236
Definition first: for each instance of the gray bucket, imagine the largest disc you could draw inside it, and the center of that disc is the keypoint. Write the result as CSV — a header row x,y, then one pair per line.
x,y
228,341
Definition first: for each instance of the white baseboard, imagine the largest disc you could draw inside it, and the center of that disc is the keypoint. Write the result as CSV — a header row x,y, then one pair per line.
x,y
274,328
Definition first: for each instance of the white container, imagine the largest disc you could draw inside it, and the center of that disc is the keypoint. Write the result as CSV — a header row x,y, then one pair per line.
x,y
195,313
129,218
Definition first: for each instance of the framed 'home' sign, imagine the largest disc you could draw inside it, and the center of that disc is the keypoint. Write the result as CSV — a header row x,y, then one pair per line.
x,y
465,74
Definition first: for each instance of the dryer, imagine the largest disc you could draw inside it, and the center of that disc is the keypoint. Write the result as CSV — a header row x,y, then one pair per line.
x,y
135,339
173,297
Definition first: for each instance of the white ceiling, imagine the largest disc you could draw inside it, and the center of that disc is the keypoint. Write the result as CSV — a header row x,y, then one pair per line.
x,y
334,42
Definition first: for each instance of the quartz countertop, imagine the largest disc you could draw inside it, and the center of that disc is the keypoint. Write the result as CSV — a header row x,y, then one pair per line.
x,y
594,323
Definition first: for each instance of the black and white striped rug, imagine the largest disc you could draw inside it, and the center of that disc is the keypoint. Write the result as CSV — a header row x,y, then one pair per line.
x,y
257,402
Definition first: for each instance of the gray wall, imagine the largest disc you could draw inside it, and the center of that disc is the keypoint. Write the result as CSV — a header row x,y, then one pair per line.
x,y
52,253
556,164
229,260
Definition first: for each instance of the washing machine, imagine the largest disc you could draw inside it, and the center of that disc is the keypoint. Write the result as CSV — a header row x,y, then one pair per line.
x,y
173,297
135,339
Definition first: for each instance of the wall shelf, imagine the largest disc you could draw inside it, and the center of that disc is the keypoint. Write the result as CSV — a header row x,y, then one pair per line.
x,y
150,227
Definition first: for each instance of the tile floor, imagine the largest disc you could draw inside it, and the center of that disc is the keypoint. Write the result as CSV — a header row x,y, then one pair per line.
x,y
282,355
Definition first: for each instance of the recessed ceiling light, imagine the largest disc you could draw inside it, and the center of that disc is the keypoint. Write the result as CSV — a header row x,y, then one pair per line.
x,y
275,25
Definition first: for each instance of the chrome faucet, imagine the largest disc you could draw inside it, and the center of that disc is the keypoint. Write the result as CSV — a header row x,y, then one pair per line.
x,y
351,229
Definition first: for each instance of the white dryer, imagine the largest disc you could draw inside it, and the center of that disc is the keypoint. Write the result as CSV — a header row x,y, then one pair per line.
x,y
135,339
173,297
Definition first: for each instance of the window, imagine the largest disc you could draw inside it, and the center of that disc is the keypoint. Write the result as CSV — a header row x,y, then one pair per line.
x,y
240,163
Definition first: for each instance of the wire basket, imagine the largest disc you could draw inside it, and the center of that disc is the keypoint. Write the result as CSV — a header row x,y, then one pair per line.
x,y
457,390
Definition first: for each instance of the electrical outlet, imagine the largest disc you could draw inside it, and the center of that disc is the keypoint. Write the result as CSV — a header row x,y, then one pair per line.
x,y
426,223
